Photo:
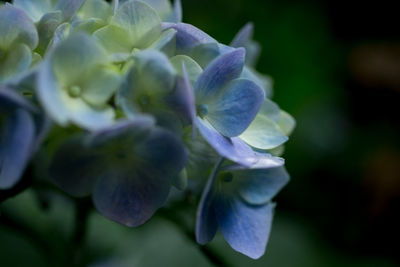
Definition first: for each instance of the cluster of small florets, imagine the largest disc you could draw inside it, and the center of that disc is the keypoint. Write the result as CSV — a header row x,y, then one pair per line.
x,y
123,101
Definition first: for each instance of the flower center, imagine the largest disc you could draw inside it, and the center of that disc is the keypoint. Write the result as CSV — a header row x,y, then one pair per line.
x,y
202,110
74,91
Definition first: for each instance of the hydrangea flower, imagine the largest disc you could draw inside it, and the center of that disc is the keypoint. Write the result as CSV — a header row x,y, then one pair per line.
x,y
76,81
18,37
135,26
18,135
138,85
238,202
128,168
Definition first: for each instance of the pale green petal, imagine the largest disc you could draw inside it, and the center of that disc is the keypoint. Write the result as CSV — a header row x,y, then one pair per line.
x,y
46,28
100,86
286,122
193,69
166,43
270,110
156,73
15,62
61,33
163,7
263,133
95,9
74,57
34,8
88,25
86,116
141,22
113,39
16,27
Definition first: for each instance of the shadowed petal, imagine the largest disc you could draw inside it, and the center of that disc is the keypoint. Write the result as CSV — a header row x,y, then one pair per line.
x,y
166,43
15,63
206,221
245,227
130,197
17,140
35,9
259,186
231,148
69,7
188,37
16,27
244,36
233,109
218,74
75,168
182,98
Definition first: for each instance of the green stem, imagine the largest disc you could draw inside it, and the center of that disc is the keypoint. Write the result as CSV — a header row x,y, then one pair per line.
x,y
211,255
76,253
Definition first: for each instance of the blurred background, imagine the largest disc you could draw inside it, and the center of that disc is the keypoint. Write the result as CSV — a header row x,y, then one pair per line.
x,y
336,69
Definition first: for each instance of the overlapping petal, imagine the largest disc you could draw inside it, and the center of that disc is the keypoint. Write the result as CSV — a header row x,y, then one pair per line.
x,y
218,74
245,227
128,167
17,137
140,21
233,109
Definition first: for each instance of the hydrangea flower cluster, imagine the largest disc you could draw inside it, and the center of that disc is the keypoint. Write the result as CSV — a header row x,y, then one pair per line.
x,y
124,102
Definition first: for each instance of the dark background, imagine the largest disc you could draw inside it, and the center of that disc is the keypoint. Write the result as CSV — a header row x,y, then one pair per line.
x,y
336,69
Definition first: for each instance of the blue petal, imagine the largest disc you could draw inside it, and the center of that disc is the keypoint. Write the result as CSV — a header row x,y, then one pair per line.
x,y
182,99
231,148
203,54
235,107
75,167
130,197
188,36
218,74
17,140
259,186
131,193
245,227
244,36
206,221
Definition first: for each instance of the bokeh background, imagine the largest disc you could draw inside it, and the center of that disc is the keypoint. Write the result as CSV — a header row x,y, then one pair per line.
x,y
336,69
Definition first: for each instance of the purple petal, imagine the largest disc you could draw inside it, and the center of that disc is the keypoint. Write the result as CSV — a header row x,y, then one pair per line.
x,y
17,140
218,74
235,107
75,167
245,227
130,197
233,149
188,36
206,222
182,99
244,35
259,186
